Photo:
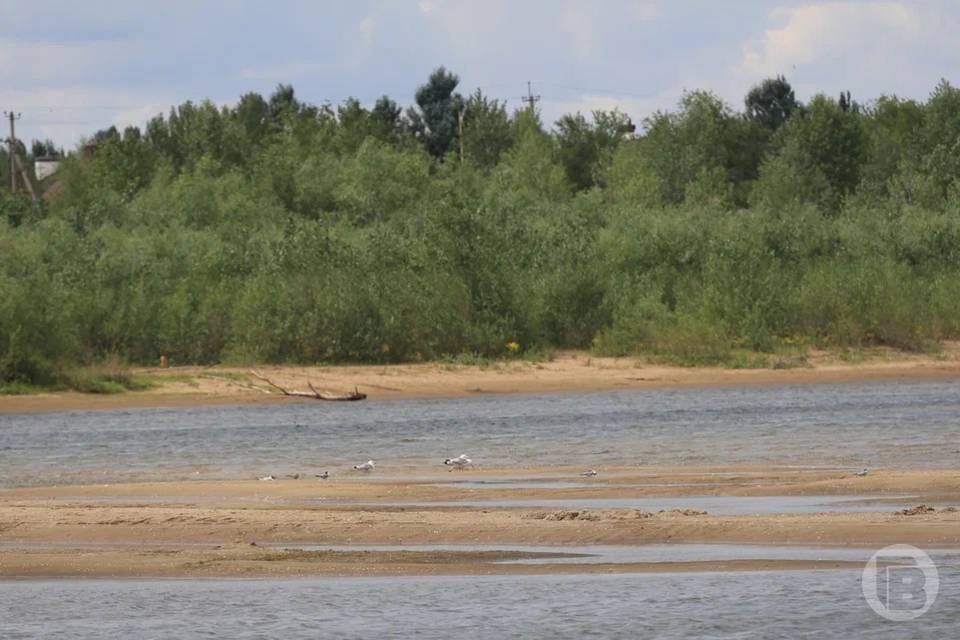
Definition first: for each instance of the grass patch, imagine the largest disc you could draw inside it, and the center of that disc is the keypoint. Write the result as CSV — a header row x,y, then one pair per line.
x,y
107,378
18,389
451,363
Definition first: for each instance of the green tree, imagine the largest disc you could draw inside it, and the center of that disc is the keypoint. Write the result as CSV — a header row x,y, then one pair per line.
x,y
703,137
434,122
584,147
387,117
45,148
487,130
771,103
826,146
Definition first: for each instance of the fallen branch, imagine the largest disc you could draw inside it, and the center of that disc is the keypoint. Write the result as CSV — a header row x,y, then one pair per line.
x,y
313,393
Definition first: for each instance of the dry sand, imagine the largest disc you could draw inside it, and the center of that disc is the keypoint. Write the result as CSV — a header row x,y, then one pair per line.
x,y
227,528
568,372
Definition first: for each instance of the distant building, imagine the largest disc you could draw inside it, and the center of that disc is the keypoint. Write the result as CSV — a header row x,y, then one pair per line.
x,y
46,166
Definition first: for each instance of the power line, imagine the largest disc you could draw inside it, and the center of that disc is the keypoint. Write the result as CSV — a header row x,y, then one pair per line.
x,y
611,92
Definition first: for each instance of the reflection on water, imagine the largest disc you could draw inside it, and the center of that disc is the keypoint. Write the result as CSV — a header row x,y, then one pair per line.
x,y
821,604
887,424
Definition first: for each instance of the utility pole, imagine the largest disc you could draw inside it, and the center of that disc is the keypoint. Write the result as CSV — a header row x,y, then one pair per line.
x,y
11,149
530,99
460,130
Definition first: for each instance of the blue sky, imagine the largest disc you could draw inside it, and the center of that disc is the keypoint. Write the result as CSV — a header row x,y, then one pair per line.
x,y
74,67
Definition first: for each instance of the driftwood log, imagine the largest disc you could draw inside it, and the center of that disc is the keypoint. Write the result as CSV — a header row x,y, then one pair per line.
x,y
313,393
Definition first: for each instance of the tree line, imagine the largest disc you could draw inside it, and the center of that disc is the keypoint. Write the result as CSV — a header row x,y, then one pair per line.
x,y
277,230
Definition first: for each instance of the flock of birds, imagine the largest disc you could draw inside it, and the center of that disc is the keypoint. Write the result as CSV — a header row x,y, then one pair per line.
x,y
460,462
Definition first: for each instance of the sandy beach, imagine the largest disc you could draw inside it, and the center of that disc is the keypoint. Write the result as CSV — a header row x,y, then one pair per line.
x,y
240,528
567,372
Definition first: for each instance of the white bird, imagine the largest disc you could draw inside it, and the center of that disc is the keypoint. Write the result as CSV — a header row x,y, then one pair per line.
x,y
267,478
590,473
324,475
366,466
862,474
459,462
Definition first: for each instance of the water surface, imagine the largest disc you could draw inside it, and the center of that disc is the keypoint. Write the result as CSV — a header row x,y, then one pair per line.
x,y
793,604
913,424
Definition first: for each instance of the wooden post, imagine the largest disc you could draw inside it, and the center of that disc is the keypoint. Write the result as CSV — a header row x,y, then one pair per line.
x,y
460,123
11,147
26,178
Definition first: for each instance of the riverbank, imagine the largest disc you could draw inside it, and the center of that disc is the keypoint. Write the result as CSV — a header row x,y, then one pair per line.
x,y
239,528
567,372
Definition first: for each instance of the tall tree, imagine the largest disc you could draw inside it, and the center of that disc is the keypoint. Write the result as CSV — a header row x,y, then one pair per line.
x,y
585,146
252,113
702,142
488,133
818,157
44,148
435,120
386,114
771,102
283,100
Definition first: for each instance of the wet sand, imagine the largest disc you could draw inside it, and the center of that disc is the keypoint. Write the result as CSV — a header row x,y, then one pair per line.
x,y
227,528
568,372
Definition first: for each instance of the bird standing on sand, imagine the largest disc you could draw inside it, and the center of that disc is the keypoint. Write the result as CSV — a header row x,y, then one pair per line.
x,y
862,474
324,475
590,473
366,466
267,478
459,462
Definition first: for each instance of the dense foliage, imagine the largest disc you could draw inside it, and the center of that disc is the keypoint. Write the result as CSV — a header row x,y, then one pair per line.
x,y
278,231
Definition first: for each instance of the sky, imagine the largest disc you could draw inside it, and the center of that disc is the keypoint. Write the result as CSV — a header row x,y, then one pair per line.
x,y
71,68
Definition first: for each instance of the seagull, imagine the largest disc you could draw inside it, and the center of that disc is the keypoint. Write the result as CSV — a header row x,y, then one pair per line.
x,y
366,466
862,474
590,473
458,463
267,478
324,475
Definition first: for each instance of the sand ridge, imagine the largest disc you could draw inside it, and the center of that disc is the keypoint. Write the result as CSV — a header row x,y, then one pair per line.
x,y
222,528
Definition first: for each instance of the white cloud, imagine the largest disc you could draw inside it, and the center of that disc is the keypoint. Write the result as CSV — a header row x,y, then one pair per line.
x,y
470,27
368,28
427,7
818,32
139,116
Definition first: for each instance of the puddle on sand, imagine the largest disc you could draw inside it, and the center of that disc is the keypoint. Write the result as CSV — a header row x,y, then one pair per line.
x,y
714,505
620,554
564,484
